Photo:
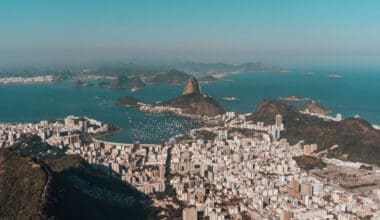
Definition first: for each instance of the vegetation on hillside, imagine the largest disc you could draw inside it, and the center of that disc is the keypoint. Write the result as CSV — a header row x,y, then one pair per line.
x,y
356,138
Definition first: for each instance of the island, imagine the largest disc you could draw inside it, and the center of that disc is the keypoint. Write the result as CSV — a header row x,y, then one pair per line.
x,y
335,75
127,82
292,98
82,84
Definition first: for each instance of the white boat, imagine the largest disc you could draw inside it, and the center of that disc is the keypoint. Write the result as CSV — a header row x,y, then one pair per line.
x,y
230,98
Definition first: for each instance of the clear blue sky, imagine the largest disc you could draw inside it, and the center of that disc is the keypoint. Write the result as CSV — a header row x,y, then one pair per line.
x,y
277,31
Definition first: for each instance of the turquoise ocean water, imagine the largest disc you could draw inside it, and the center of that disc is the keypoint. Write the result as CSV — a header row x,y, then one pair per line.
x,y
355,93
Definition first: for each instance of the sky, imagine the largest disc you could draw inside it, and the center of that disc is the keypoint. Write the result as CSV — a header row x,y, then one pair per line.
x,y
293,32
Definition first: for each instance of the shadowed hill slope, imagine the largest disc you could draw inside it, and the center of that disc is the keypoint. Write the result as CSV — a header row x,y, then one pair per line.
x,y
40,181
22,181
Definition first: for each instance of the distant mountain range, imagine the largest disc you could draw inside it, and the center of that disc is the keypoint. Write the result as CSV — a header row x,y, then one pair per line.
x,y
206,68
146,69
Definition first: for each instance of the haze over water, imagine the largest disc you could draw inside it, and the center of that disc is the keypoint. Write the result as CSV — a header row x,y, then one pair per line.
x,y
355,93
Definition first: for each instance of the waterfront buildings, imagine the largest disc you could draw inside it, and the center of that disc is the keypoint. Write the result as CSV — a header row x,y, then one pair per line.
x,y
244,170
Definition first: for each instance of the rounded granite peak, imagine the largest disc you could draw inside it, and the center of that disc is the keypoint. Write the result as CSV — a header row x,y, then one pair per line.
x,y
192,86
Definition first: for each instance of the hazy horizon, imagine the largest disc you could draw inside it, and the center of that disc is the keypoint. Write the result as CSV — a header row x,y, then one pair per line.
x,y
285,33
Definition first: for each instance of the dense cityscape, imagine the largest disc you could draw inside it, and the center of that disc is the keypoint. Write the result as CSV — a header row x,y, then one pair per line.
x,y
223,175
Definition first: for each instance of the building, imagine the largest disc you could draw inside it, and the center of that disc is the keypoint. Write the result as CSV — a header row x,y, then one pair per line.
x,y
310,148
278,121
190,213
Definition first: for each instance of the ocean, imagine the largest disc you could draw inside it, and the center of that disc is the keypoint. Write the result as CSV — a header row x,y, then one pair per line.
x,y
356,93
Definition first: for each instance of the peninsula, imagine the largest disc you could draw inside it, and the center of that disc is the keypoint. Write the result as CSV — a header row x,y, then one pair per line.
x,y
191,104
314,106
171,77
356,139
128,101
194,102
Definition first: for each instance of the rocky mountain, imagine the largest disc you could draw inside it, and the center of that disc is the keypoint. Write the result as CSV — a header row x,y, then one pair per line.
x,y
38,181
192,86
194,102
356,138
127,82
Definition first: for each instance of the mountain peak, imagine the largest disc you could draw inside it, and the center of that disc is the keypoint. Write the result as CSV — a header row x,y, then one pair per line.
x,y
192,86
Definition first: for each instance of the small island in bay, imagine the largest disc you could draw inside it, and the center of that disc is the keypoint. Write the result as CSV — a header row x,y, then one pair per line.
x,y
292,98
127,82
82,84
335,75
314,106
128,101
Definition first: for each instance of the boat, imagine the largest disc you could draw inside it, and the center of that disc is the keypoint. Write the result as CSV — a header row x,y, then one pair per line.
x,y
230,98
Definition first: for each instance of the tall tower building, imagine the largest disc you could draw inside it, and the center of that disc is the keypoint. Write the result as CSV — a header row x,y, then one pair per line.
x,y
278,121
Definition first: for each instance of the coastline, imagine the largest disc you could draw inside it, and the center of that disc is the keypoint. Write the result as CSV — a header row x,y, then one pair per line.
x,y
174,111
27,80
100,136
